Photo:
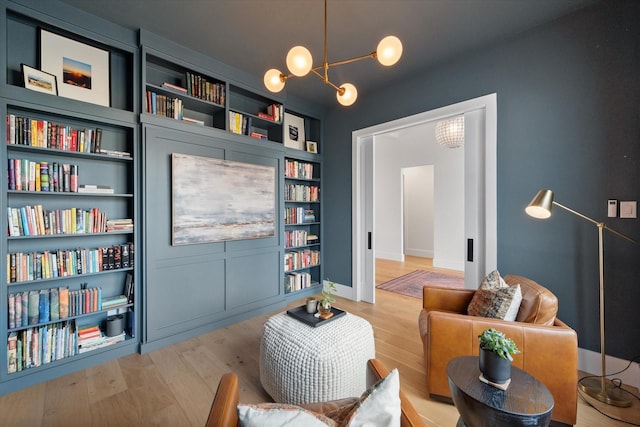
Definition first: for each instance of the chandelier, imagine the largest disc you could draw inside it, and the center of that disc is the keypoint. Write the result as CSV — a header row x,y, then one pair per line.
x,y
300,63
450,132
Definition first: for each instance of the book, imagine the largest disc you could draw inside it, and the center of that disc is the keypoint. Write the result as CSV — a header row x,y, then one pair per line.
x,y
12,353
95,189
174,87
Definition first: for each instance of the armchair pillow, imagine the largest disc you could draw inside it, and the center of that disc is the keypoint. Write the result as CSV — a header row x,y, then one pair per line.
x,y
379,405
494,298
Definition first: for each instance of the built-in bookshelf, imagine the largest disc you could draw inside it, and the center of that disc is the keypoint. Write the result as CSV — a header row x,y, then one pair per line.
x,y
69,253
302,223
69,209
178,90
175,92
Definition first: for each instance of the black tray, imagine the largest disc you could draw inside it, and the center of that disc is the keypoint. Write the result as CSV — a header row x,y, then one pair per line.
x,y
300,313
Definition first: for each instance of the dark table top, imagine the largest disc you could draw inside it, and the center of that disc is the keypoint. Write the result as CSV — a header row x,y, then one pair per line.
x,y
525,396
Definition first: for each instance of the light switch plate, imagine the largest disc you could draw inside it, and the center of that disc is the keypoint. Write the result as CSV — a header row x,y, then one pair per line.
x,y
628,209
612,208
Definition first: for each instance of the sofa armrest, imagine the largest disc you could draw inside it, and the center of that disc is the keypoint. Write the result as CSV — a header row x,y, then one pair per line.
x,y
224,409
446,299
409,416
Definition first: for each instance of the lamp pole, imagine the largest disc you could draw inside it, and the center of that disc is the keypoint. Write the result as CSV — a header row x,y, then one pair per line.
x,y
599,388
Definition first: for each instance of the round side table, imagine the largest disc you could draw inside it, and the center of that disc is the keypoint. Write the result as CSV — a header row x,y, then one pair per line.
x,y
526,402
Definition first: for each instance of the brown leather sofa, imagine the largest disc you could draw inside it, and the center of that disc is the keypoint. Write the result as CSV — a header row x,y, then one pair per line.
x,y
223,411
548,347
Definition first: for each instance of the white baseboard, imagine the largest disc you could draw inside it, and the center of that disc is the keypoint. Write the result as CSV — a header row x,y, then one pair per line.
x,y
423,253
393,256
591,362
448,264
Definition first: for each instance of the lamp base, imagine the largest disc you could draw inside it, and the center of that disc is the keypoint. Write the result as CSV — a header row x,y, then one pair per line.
x,y
608,393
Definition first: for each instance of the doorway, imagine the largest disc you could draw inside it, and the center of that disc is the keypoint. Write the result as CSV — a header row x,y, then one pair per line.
x,y
480,199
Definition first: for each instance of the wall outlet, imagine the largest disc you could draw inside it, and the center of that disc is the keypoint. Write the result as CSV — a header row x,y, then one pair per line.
x,y
612,208
628,209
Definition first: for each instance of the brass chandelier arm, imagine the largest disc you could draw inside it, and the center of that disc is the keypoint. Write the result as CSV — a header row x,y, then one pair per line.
x,y
326,80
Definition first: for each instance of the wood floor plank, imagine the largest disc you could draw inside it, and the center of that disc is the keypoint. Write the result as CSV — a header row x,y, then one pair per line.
x,y
174,386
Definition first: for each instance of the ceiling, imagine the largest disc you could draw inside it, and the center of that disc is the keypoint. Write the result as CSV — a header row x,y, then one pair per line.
x,y
255,35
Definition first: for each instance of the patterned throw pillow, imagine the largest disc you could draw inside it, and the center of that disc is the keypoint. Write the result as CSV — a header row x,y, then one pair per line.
x,y
280,415
494,298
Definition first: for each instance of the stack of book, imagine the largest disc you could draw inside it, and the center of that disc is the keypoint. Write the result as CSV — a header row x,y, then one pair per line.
x,y
92,338
120,224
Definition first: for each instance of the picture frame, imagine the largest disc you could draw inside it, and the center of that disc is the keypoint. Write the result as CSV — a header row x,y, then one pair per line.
x,y
39,81
216,200
294,136
82,71
312,147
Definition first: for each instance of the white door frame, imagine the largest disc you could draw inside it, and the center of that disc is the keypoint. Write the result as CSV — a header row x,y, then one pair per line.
x,y
485,249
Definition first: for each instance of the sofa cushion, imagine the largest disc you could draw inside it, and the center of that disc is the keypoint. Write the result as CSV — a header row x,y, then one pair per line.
x,y
494,298
539,305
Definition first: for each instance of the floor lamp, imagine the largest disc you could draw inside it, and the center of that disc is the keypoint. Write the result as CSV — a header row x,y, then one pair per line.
x,y
601,388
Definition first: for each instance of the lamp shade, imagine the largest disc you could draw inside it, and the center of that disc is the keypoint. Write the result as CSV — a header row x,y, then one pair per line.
x,y
347,94
450,132
299,61
389,50
273,80
540,206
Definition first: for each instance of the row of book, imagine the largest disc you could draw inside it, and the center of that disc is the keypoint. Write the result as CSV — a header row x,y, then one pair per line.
x,y
295,260
301,193
242,124
163,105
37,221
295,238
28,266
296,169
32,347
42,133
297,281
45,305
275,113
201,88
299,216
27,175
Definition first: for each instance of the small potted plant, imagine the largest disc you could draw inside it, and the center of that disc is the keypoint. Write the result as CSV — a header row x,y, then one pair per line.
x,y
324,306
496,355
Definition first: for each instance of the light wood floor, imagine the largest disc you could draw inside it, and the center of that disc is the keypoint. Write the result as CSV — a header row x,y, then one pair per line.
x,y
174,386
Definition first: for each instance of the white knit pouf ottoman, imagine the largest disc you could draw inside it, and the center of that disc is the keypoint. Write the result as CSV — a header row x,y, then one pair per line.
x,y
303,364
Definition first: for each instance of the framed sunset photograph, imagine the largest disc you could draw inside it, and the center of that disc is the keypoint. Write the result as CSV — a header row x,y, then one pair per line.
x,y
82,71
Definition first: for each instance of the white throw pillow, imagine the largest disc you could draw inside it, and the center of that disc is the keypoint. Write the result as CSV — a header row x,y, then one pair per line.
x,y
380,405
280,415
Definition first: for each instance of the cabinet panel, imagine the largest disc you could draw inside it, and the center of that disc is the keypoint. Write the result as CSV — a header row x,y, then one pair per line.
x,y
183,294
252,278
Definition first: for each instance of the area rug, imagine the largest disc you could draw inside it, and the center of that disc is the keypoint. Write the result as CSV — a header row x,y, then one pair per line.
x,y
411,284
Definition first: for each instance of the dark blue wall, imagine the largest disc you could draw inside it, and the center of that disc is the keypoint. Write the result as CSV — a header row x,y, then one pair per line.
x,y
568,120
